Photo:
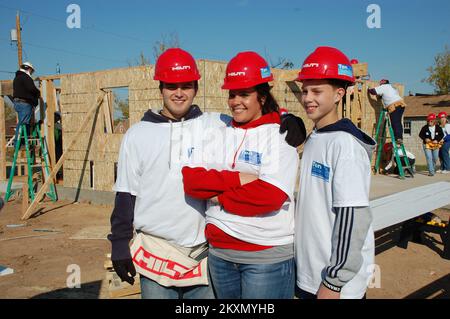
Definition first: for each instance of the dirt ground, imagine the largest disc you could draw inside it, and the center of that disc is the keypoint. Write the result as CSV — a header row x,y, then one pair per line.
x,y
45,251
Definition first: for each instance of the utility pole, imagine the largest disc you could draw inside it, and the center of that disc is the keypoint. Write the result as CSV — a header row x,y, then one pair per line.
x,y
19,39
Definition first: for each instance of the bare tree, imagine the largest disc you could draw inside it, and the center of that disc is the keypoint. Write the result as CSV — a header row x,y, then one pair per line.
x,y
142,60
166,42
281,63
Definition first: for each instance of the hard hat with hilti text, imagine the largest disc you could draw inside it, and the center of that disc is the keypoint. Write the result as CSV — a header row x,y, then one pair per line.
x,y
246,70
175,66
326,63
442,115
431,117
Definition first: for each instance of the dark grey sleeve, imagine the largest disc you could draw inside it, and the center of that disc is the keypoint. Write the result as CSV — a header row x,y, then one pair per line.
x,y
349,234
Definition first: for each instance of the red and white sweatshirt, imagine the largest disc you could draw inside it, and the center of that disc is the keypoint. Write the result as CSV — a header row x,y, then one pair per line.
x,y
257,215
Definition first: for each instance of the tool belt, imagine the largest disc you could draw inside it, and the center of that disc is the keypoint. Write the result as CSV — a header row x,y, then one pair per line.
x,y
434,146
169,264
16,99
391,107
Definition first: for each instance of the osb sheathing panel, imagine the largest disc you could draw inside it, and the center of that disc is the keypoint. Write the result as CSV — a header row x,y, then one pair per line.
x,y
80,91
103,175
72,177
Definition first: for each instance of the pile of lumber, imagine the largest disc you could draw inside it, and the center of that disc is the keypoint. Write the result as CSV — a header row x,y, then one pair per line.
x,y
118,288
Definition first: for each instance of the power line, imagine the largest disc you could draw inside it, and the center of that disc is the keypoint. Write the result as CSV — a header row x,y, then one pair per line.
x,y
84,28
67,51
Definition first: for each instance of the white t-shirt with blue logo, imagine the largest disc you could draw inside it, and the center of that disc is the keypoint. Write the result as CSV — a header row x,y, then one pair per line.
x,y
335,172
261,151
150,160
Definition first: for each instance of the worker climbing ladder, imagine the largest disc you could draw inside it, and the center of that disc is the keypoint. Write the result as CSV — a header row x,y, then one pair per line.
x,y
34,144
380,137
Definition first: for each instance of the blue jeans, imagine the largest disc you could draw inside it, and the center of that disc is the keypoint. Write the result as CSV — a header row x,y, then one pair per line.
x,y
152,290
24,114
396,121
431,156
444,157
252,281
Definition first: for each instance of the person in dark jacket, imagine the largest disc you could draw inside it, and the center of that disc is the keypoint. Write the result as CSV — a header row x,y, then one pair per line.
x,y
26,96
431,135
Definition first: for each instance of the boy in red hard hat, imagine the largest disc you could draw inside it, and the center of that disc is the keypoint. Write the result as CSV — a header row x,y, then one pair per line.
x,y
169,251
334,237
444,156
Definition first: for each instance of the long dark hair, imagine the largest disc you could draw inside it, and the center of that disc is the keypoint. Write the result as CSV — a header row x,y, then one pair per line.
x,y
270,104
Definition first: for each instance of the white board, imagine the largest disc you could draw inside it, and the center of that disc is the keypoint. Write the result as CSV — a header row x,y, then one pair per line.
x,y
393,209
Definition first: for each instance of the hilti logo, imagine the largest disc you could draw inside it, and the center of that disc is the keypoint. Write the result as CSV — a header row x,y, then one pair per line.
x,y
179,68
311,65
164,267
236,74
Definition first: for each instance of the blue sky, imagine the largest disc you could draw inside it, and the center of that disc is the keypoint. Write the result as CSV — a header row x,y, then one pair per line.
x,y
113,33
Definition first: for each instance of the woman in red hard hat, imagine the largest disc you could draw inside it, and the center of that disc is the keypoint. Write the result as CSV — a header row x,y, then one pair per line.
x,y
444,150
431,135
249,179
334,239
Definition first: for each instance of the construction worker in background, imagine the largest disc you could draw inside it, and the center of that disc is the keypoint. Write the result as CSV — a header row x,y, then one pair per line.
x,y
25,96
444,150
388,159
249,221
431,135
150,199
334,239
394,104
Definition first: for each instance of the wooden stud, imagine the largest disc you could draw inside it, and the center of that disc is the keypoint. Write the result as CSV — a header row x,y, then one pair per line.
x,y
24,197
51,109
2,140
107,115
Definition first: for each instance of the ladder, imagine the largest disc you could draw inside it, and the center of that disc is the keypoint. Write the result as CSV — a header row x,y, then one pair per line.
x,y
34,144
380,137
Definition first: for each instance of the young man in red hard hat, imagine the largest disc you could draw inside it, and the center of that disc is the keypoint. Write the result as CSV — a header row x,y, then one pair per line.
x,y
394,104
443,151
431,135
170,247
334,238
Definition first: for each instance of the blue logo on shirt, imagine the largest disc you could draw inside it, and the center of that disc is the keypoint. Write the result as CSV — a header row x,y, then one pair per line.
x,y
344,69
250,157
320,171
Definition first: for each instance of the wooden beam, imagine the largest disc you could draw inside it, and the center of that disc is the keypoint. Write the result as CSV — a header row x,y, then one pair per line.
x,y
107,115
50,110
2,140
58,165
24,197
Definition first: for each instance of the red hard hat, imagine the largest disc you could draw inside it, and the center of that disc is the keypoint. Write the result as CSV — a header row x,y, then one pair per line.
x,y
175,66
431,117
354,61
387,147
326,63
442,115
246,70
